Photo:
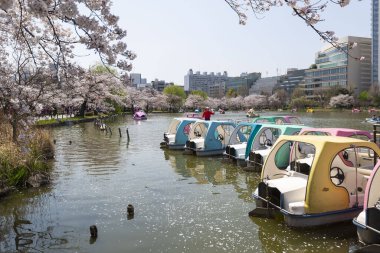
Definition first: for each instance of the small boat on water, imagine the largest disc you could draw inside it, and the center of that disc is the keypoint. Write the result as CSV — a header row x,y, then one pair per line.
x,y
315,180
208,138
373,120
344,132
311,110
355,110
237,144
178,133
221,111
140,115
252,114
193,115
260,143
368,221
278,119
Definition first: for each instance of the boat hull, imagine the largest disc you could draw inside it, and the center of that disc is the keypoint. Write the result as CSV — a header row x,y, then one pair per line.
x,y
140,118
311,220
176,146
365,234
214,152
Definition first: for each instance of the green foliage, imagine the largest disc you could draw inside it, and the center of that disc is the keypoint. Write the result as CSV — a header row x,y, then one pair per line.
x,y
175,90
103,69
231,93
313,66
19,161
298,93
364,96
199,93
302,102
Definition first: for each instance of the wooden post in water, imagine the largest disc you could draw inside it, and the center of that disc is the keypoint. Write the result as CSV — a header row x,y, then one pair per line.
x,y
128,135
120,132
93,231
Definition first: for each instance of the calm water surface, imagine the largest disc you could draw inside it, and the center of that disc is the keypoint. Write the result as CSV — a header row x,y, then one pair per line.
x,y
182,203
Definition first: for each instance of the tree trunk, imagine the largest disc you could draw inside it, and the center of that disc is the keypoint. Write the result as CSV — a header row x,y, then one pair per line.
x,y
82,109
14,129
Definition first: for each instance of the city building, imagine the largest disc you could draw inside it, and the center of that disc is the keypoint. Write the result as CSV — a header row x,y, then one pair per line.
x,y
293,78
216,85
375,43
137,81
160,85
198,81
264,85
242,83
334,67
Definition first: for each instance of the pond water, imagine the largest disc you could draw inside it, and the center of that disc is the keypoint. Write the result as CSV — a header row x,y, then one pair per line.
x,y
182,203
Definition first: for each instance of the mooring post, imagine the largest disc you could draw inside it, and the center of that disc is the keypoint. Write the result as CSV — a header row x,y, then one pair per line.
x,y
120,132
109,128
127,134
93,231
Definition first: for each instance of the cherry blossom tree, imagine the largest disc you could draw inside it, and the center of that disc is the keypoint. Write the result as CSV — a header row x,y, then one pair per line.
x,y
98,91
255,101
342,101
215,103
53,28
235,103
194,101
308,10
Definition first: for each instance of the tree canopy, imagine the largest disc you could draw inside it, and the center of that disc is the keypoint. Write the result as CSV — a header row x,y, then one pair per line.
x,y
175,90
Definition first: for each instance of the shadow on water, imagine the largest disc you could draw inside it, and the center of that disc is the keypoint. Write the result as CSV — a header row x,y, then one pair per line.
x,y
215,171
275,236
25,226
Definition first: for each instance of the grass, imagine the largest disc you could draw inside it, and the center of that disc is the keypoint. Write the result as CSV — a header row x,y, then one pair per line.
x,y
46,122
30,156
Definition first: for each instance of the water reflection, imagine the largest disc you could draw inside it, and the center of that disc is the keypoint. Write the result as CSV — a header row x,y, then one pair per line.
x,y
275,236
213,170
27,224
183,203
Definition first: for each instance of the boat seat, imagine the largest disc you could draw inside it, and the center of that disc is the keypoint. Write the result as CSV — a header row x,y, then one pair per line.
x,y
373,218
297,207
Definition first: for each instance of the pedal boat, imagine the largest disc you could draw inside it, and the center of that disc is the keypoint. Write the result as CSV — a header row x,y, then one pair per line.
x,y
315,180
283,119
140,115
208,138
344,132
368,221
261,142
177,134
237,144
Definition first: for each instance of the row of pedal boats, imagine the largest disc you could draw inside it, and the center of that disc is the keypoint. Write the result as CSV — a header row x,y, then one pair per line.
x,y
310,176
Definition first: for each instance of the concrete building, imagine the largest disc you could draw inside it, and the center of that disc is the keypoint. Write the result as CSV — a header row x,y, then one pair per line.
x,y
216,85
137,81
375,42
242,83
160,85
293,78
217,90
335,67
264,85
198,81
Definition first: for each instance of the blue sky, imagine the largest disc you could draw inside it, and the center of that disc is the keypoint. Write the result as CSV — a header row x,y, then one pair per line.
x,y
172,36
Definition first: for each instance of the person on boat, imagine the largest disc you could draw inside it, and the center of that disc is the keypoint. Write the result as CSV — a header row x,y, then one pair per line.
x,y
207,113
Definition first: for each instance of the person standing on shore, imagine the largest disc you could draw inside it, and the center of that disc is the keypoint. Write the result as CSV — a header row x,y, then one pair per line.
x,y
207,113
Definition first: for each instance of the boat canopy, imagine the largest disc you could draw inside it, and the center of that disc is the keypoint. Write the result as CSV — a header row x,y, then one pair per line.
x,y
336,169
242,132
267,135
278,119
372,192
345,132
